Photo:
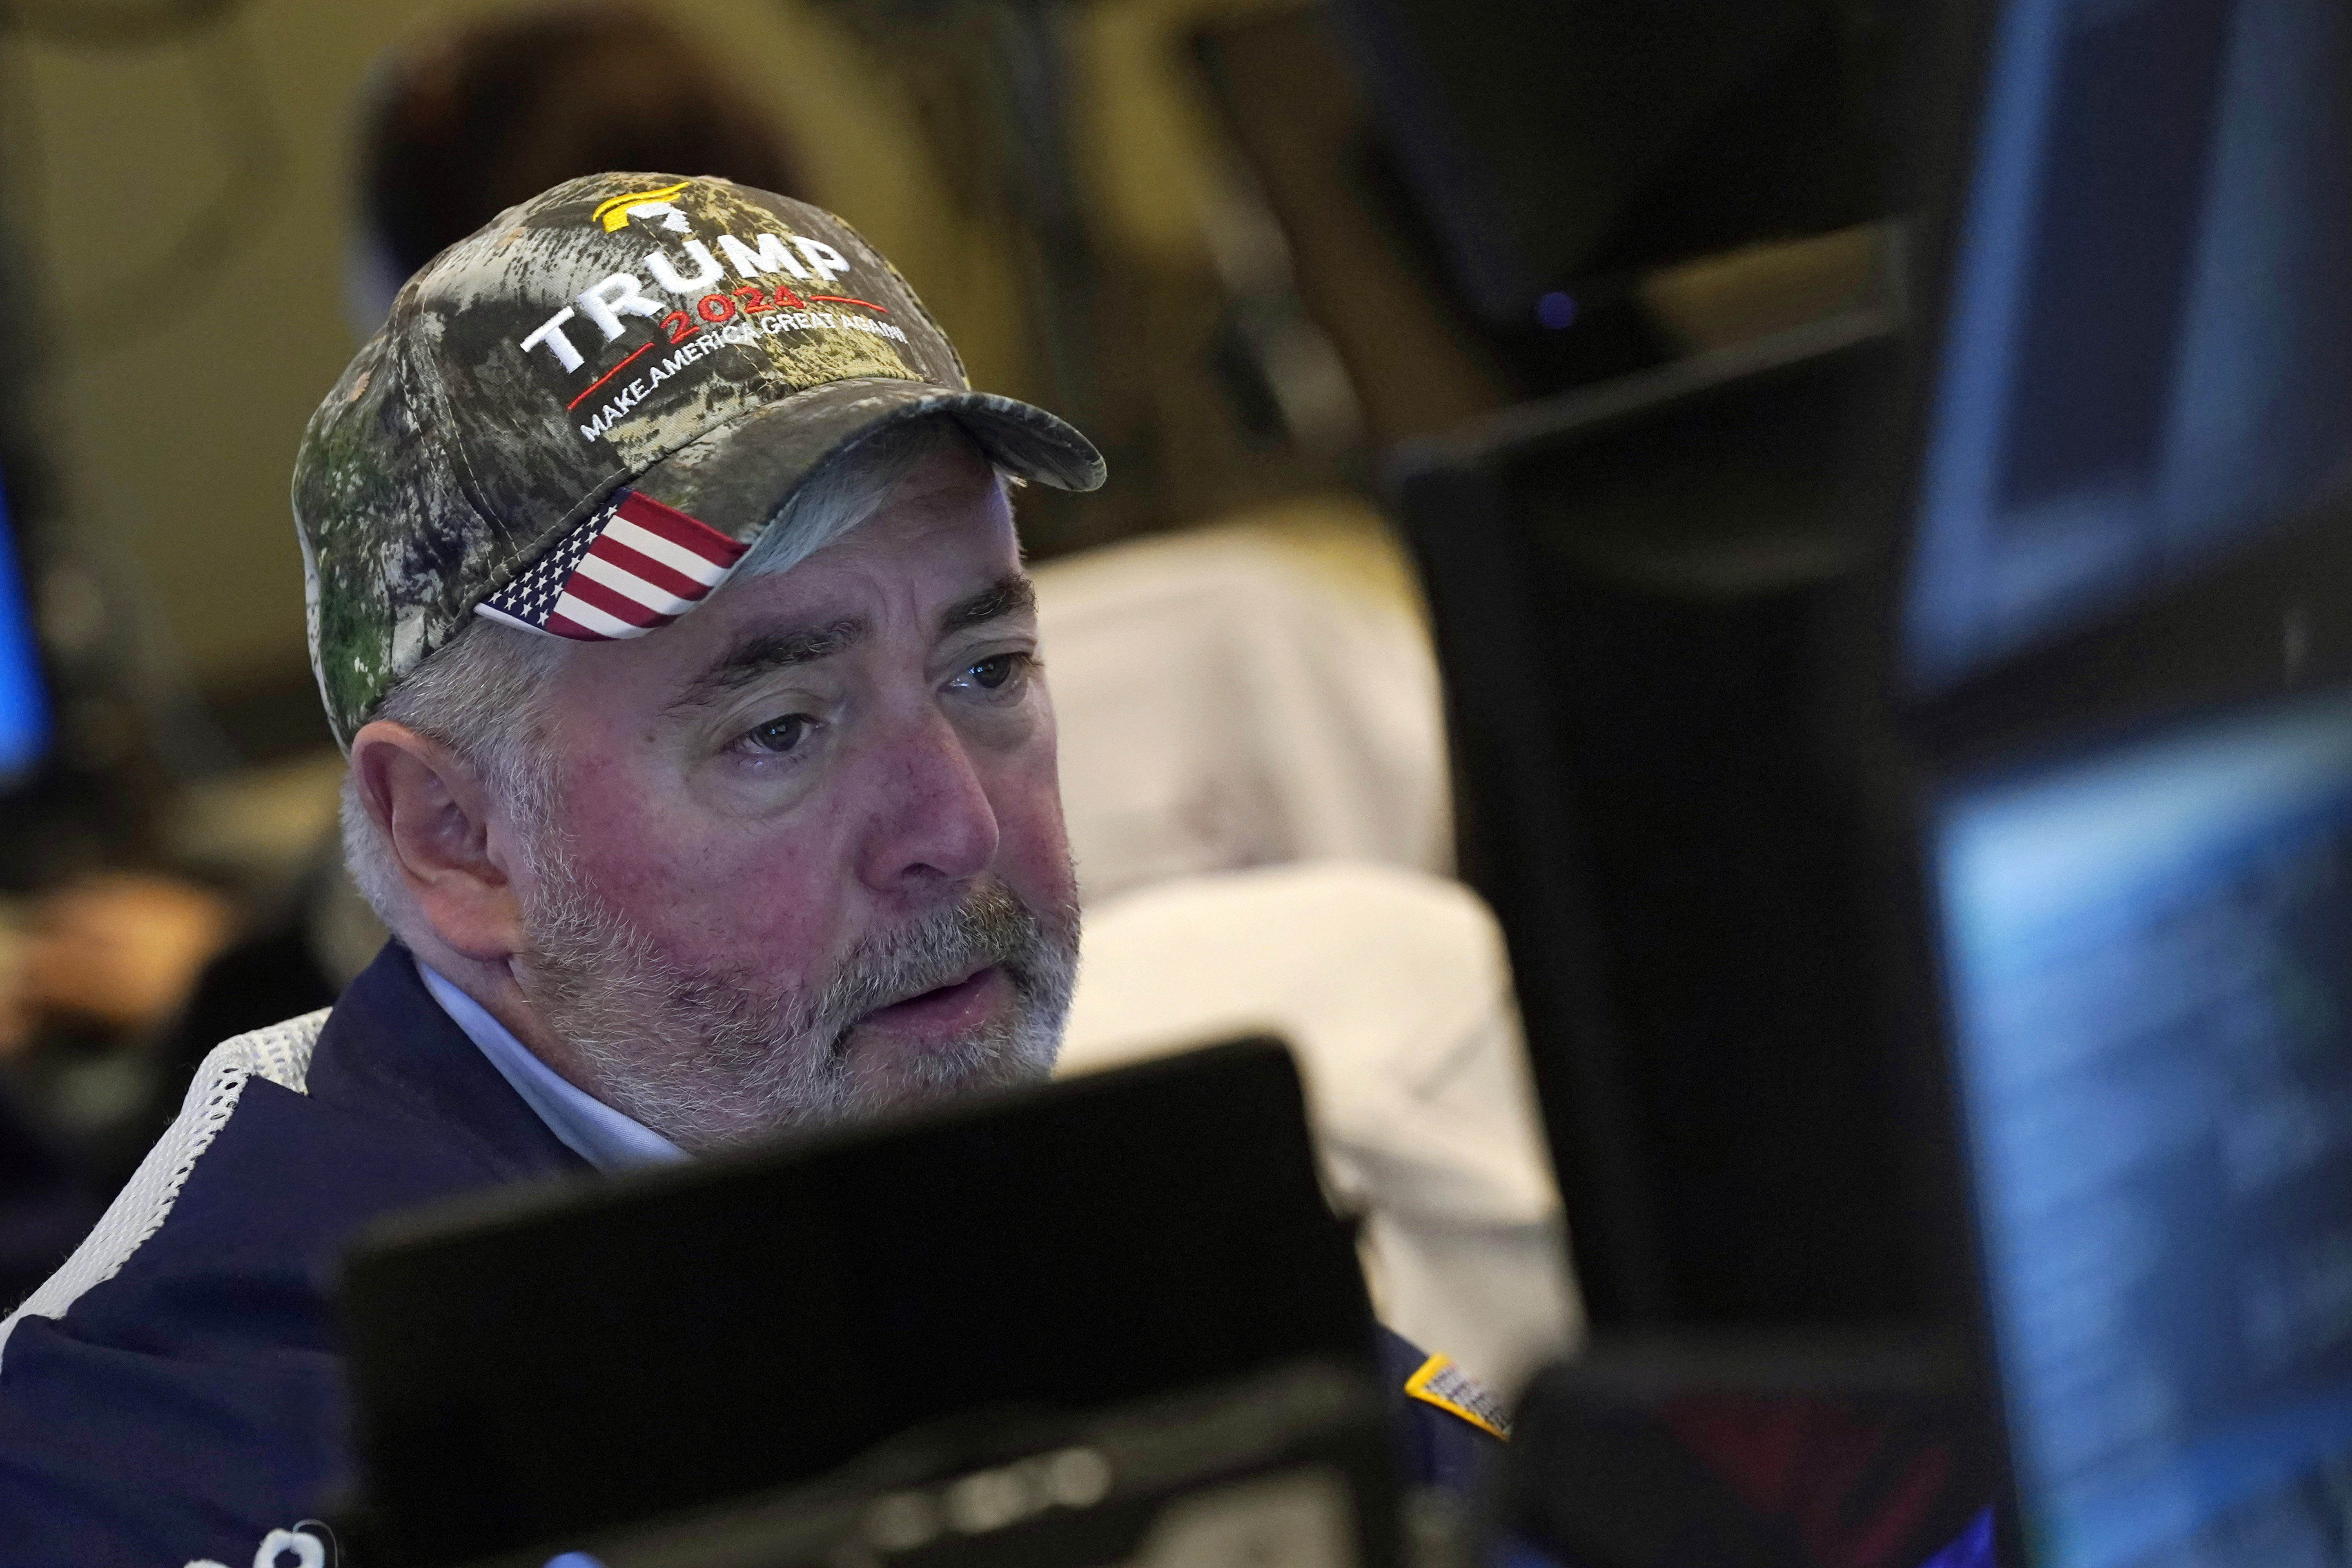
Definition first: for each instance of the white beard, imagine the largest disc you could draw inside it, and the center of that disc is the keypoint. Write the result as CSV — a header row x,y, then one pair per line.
x,y
713,1061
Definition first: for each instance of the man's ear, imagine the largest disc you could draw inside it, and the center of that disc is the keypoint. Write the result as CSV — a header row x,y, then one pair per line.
x,y
433,807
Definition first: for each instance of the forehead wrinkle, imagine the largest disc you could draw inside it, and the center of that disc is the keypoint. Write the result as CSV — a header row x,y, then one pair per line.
x,y
764,653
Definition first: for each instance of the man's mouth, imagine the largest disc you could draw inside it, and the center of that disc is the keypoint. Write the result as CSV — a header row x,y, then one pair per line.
x,y
945,1010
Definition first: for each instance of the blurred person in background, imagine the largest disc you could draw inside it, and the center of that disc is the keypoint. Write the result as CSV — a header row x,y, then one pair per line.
x,y
91,974
468,118
101,962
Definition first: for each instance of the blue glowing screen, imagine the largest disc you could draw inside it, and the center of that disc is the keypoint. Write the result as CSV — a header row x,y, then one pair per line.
x,y
2150,960
2149,354
24,705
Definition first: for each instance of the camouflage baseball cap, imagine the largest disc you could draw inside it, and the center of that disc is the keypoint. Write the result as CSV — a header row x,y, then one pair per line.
x,y
580,418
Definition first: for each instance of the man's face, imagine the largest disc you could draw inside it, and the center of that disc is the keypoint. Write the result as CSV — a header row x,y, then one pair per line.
x,y
807,854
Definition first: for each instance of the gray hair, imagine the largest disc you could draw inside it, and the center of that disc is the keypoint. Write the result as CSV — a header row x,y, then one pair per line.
x,y
484,694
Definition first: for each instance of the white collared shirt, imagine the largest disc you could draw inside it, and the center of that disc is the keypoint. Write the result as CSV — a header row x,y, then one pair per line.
x,y
587,1126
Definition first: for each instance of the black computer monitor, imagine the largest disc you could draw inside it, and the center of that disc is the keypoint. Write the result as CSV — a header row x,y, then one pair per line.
x,y
2120,681
2147,946
533,1366
2147,348
1630,588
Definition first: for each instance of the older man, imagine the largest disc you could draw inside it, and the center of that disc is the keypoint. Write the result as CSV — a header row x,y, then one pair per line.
x,y
660,882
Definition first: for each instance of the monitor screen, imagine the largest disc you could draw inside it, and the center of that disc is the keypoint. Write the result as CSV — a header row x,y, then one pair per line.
x,y
2148,354
24,707
2149,952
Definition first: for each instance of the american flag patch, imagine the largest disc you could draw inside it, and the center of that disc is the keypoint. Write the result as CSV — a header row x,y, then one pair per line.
x,y
633,568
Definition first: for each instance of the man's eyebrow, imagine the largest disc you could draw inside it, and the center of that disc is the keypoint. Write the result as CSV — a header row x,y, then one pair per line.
x,y
757,657
1011,594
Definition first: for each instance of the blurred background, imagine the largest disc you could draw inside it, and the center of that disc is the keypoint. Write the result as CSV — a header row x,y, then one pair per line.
x,y
1262,251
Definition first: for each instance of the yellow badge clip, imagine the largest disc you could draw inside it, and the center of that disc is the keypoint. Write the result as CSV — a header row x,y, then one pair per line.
x,y
1440,1382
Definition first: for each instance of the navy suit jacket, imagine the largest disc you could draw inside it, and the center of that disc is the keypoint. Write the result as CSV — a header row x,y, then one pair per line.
x,y
178,1393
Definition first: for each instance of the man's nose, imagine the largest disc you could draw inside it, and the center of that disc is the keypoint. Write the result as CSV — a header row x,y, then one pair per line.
x,y
931,820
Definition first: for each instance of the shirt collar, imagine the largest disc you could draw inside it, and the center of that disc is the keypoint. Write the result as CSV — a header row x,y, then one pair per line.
x,y
586,1125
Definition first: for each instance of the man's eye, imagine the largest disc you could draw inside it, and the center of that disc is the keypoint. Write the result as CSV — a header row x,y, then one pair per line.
x,y
990,674
778,734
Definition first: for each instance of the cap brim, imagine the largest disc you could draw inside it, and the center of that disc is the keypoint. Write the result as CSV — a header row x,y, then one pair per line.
x,y
739,477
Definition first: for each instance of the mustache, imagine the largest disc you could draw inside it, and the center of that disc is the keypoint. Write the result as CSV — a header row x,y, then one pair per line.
x,y
990,927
